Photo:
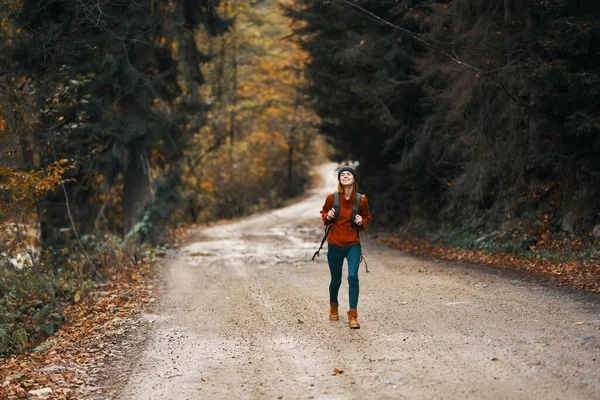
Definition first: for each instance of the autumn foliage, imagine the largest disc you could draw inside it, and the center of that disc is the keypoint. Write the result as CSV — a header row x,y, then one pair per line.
x,y
261,137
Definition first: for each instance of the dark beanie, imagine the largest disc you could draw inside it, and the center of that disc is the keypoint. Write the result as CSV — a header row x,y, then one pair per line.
x,y
347,168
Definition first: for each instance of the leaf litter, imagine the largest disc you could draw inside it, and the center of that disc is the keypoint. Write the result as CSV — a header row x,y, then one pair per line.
x,y
61,366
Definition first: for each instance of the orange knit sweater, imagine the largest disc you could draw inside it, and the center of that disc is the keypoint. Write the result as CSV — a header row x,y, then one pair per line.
x,y
341,233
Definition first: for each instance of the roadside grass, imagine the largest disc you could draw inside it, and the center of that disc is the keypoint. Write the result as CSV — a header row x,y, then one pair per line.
x,y
569,260
558,249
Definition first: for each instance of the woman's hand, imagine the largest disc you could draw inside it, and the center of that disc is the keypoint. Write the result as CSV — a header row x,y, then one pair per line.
x,y
331,214
358,220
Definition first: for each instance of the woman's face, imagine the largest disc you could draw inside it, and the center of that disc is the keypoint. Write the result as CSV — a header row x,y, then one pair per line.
x,y
346,178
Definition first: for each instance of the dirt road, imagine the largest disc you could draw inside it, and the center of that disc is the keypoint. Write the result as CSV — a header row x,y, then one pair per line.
x,y
243,314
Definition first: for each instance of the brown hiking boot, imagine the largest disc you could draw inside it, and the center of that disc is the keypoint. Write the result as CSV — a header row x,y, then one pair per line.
x,y
333,311
352,319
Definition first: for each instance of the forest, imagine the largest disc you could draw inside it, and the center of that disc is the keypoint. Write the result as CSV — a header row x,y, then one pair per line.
x,y
473,123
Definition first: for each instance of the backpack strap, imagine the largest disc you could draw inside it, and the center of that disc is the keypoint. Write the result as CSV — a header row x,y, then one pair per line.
x,y
336,206
356,210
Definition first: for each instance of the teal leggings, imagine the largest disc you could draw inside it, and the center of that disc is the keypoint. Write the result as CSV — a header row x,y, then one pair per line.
x,y
335,257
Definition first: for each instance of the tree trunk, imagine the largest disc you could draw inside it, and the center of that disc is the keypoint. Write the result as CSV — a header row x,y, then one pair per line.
x,y
508,29
508,48
137,190
234,88
534,133
190,67
220,68
290,171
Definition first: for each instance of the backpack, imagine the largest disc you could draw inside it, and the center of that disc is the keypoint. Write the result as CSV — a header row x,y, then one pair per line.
x,y
355,208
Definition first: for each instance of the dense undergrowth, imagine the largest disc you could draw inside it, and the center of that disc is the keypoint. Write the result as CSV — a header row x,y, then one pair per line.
x,y
556,256
34,295
559,248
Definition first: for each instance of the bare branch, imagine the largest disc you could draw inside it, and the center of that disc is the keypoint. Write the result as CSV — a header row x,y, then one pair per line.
x,y
87,257
415,36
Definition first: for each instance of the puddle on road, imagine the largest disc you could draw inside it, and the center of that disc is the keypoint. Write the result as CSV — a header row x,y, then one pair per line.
x,y
199,254
279,245
263,259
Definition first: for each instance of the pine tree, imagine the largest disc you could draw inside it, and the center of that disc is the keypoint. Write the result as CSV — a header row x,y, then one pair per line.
x,y
106,79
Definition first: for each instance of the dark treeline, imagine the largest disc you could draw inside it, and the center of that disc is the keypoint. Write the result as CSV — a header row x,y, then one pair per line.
x,y
99,85
464,113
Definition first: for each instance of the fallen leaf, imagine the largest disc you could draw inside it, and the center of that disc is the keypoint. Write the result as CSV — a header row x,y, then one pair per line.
x,y
337,371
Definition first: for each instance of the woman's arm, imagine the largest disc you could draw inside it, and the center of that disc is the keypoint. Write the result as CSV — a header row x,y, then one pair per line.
x,y
326,207
364,213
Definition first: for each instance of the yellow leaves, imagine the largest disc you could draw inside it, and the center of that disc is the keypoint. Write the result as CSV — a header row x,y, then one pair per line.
x,y
191,180
207,186
175,49
272,112
27,187
267,66
257,110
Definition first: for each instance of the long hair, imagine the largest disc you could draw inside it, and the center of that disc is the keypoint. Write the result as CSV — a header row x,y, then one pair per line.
x,y
340,189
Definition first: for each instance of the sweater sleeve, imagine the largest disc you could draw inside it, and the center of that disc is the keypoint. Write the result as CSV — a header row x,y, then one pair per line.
x,y
364,213
326,207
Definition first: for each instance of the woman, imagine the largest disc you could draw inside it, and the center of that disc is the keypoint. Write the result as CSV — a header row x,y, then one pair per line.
x,y
343,240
